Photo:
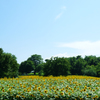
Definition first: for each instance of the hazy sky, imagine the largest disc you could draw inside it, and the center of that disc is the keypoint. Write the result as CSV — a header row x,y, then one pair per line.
x,y
50,28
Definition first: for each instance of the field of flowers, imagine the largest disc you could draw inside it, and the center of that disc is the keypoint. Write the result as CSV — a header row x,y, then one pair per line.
x,y
50,88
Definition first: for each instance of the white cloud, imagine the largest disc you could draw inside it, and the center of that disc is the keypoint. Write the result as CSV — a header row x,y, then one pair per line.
x,y
62,55
64,7
59,15
83,47
77,45
59,55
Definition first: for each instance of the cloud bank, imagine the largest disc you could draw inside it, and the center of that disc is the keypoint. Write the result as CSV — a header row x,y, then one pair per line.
x,y
85,48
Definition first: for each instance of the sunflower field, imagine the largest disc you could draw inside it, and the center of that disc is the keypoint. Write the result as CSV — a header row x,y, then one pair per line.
x,y
50,88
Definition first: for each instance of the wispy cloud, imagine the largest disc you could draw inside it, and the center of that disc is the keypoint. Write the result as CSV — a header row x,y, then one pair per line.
x,y
64,7
85,47
60,14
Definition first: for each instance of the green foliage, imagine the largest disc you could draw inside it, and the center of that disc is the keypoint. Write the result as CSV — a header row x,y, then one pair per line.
x,y
77,64
8,65
39,69
33,63
56,67
91,60
30,73
2,67
98,69
26,67
89,71
37,60
13,66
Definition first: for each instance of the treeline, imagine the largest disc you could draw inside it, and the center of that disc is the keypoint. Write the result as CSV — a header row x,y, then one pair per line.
x,y
89,65
56,66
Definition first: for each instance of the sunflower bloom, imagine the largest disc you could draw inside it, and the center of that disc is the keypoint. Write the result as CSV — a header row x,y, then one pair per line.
x,y
45,91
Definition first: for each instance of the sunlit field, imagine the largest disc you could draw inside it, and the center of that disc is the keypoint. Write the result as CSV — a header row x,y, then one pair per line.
x,y
50,88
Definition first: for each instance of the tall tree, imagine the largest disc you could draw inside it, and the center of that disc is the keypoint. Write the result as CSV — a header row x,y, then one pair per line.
x,y
8,65
72,61
78,65
37,59
11,64
57,66
91,60
26,67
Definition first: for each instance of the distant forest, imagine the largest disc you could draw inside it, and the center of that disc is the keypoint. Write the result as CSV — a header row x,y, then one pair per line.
x,y
56,66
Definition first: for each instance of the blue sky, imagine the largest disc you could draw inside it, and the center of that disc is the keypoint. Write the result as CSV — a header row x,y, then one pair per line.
x,y
49,28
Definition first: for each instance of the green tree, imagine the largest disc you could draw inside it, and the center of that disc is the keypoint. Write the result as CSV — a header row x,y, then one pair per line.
x,y
90,70
98,69
26,67
72,61
56,66
91,60
11,64
37,59
2,67
8,65
77,64
39,69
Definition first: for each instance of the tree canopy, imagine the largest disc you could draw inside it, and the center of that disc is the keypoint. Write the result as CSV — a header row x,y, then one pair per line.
x,y
37,60
57,66
26,67
8,65
33,63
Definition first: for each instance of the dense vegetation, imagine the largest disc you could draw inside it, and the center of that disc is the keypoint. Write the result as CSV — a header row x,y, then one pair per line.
x,y
56,66
33,63
8,65
90,65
